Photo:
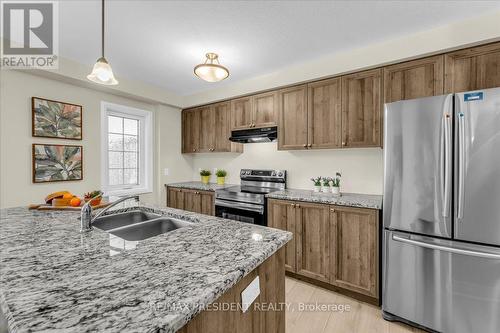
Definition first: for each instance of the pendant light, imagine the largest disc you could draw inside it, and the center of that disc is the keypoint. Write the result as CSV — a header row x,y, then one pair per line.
x,y
211,70
102,72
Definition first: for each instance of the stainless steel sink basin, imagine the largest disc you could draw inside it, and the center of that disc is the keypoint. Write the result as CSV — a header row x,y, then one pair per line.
x,y
151,228
109,222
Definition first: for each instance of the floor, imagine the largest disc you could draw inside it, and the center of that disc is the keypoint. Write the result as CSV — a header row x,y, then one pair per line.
x,y
360,318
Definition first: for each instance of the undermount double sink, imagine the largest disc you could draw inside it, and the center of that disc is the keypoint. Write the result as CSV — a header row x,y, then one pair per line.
x,y
138,225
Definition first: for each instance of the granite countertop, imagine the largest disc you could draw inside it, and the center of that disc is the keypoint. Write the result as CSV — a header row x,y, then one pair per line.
x,y
52,277
346,199
199,186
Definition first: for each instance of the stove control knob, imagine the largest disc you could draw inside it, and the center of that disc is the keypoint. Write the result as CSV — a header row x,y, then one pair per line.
x,y
242,172
273,173
280,174
248,172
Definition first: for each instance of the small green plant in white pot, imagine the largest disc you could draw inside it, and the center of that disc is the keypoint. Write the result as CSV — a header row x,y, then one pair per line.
x,y
336,183
205,176
317,183
221,176
326,184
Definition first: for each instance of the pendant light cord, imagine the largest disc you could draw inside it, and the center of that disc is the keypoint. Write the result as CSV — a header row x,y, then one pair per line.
x,y
102,36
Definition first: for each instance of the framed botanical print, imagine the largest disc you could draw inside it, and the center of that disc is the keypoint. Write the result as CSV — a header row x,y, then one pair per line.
x,y
54,163
54,119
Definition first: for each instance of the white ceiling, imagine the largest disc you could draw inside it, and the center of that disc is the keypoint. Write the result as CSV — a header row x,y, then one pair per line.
x,y
159,42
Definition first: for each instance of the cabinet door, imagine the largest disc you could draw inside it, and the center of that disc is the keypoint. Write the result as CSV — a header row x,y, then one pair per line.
x,y
414,79
472,69
292,130
190,131
241,113
355,233
325,113
207,204
207,130
265,109
313,241
361,109
222,126
192,201
175,198
281,215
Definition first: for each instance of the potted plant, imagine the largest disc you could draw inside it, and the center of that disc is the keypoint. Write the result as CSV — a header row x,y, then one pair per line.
x,y
336,183
326,184
317,183
94,197
221,176
205,176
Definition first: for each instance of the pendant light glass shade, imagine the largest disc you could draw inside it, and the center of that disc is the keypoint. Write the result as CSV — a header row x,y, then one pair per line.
x,y
102,73
211,70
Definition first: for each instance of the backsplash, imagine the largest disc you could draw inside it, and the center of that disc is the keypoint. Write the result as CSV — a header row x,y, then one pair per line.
x,y
362,169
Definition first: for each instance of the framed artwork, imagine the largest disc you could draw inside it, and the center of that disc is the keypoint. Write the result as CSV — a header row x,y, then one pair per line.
x,y
55,163
54,119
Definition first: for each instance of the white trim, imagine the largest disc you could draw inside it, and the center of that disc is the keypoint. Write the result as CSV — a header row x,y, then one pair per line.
x,y
146,158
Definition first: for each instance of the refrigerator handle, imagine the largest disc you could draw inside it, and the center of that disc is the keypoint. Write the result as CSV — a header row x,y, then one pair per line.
x,y
461,165
446,248
447,165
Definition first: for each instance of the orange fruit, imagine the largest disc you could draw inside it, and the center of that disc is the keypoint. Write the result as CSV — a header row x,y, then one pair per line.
x,y
67,195
75,202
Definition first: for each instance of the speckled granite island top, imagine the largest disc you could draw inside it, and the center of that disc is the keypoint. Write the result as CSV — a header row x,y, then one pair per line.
x,y
346,199
52,277
199,186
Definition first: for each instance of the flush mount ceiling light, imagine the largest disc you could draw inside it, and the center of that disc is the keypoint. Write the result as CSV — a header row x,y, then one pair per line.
x,y
102,72
211,70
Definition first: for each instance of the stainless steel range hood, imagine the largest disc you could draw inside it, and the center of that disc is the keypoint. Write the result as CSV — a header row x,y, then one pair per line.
x,y
254,135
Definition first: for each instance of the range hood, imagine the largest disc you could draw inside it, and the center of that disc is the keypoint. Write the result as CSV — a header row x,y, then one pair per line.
x,y
266,134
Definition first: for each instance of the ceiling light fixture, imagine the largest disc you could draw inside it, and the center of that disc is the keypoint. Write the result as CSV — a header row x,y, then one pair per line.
x,y
211,70
102,72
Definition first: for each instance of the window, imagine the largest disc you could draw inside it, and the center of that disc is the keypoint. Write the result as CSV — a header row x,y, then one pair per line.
x,y
126,151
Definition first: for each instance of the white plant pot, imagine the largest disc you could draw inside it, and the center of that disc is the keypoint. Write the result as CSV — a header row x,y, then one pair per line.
x,y
336,190
317,188
326,189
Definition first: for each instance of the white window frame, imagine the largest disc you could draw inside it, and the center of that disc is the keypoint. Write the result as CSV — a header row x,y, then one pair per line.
x,y
145,149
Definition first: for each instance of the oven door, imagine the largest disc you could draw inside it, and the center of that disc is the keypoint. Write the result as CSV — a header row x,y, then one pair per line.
x,y
240,211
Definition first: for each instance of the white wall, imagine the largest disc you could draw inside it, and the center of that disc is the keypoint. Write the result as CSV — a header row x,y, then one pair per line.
x,y
362,169
17,188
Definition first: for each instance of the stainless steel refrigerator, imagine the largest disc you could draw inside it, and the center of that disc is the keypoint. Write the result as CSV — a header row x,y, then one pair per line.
x,y
441,252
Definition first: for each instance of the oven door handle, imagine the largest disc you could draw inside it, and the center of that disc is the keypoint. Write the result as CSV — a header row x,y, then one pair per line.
x,y
240,205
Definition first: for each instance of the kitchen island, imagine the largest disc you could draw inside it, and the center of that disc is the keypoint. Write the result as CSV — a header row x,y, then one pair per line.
x,y
55,278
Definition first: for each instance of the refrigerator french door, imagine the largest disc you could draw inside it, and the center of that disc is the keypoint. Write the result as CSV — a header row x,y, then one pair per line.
x,y
441,252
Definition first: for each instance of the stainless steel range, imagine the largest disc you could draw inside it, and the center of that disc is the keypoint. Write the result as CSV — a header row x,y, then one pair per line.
x,y
247,202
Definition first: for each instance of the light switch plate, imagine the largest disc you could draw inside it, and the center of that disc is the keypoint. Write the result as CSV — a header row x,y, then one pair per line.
x,y
249,294
165,172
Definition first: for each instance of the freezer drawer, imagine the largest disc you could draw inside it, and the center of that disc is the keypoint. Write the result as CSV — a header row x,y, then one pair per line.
x,y
444,285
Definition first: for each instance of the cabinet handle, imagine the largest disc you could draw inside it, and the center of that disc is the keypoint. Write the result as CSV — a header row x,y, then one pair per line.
x,y
297,205
305,145
310,145
332,210
293,205
343,143
194,149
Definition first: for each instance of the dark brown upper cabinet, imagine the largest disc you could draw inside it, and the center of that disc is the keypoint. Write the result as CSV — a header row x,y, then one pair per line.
x,y
361,109
324,114
414,79
472,69
292,129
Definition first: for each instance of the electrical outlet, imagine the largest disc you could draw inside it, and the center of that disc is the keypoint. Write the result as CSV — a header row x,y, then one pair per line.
x,y
165,172
215,170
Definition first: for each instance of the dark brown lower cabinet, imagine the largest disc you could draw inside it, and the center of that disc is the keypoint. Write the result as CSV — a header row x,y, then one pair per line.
x,y
191,200
332,245
260,317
